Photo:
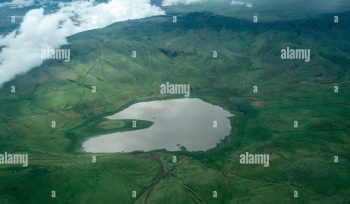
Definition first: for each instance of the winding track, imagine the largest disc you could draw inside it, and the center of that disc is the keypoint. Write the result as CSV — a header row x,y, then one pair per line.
x,y
163,173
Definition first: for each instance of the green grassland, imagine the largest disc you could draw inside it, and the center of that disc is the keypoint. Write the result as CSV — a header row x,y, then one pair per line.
x,y
249,54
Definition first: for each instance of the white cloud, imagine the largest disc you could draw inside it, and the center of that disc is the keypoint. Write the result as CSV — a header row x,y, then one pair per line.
x,y
22,48
241,3
175,2
18,3
186,2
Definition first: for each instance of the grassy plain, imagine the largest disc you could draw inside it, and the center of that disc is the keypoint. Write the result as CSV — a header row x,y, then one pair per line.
x,y
300,158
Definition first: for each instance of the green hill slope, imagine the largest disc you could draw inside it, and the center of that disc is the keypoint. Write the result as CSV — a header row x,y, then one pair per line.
x,y
248,55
